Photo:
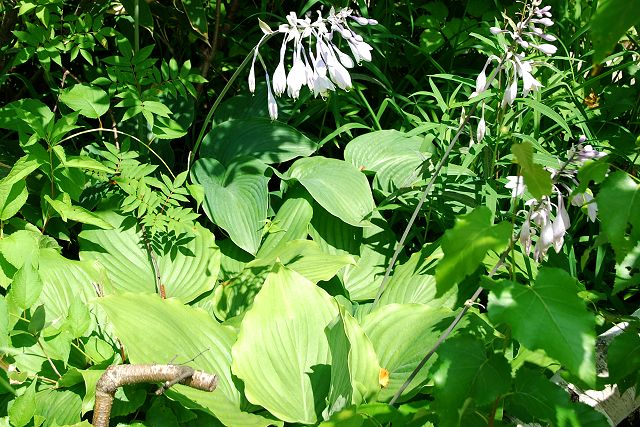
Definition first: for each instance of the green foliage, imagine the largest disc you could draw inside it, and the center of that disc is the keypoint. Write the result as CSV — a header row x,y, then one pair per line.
x,y
151,212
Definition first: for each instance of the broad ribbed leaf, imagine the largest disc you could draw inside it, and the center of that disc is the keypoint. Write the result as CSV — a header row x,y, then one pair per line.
x,y
187,270
550,316
339,187
464,371
269,141
466,245
236,198
156,331
59,407
401,335
354,364
290,223
90,101
415,281
282,354
392,155
307,258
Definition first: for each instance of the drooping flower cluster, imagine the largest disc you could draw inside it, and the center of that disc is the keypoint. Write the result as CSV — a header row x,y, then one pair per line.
x,y
529,33
320,64
541,219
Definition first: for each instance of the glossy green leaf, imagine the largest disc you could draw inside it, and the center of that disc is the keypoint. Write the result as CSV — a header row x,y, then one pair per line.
x,y
354,364
266,140
67,211
12,198
91,102
337,186
464,370
79,318
610,21
59,407
551,305
282,349
23,407
393,156
401,335
307,258
188,335
466,245
290,223
27,285
236,198
188,264
618,208
415,281
196,11
14,249
536,178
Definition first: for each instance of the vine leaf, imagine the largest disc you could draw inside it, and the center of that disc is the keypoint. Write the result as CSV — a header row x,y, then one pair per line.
x,y
550,316
537,180
619,205
464,370
91,102
466,245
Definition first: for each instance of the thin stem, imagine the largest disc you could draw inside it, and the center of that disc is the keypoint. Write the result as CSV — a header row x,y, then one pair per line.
x,y
427,190
223,92
118,132
366,103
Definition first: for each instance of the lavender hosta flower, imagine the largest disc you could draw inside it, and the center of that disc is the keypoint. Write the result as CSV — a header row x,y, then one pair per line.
x,y
586,200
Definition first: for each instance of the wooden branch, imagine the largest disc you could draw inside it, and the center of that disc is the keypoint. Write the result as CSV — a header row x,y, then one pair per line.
x,y
119,375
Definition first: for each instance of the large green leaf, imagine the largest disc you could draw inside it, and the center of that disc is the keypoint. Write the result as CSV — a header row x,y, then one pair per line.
x,y
157,331
354,364
290,223
282,353
619,210
14,249
464,371
391,154
236,198
610,21
188,269
536,178
307,258
90,101
466,245
27,284
550,316
415,281
196,11
339,187
401,335
269,141
623,359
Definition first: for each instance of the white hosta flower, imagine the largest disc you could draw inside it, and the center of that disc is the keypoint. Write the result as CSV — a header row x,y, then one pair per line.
x,y
297,77
272,105
544,242
525,236
280,75
516,185
482,127
547,49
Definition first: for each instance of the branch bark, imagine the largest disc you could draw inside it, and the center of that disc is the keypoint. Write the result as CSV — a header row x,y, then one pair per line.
x,y
119,375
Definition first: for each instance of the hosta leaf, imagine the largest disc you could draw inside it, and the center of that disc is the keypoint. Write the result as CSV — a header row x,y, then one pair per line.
x,y
337,186
282,353
401,335
90,101
24,407
550,316
415,281
307,258
269,141
536,178
464,370
354,364
393,156
188,267
189,334
14,249
236,198
466,245
59,407
610,21
618,207
290,223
